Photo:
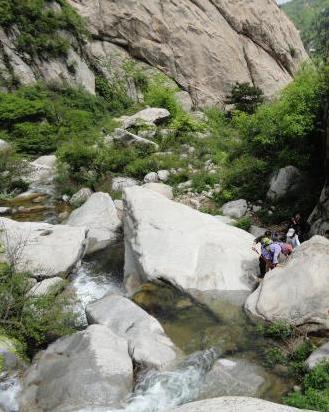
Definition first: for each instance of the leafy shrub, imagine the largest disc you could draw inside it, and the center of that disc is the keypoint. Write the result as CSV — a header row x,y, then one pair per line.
x,y
39,26
114,93
315,394
245,97
183,123
277,330
35,138
38,119
140,167
274,356
158,94
35,321
245,177
244,223
12,168
202,181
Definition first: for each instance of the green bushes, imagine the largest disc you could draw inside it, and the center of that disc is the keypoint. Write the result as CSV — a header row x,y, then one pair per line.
x,y
279,133
159,94
244,223
245,97
34,321
39,26
38,119
12,169
114,93
315,393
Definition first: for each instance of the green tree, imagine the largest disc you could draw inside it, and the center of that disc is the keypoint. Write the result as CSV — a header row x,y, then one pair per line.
x,y
245,97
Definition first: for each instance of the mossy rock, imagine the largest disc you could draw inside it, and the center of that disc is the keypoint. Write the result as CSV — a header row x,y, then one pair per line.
x,y
11,354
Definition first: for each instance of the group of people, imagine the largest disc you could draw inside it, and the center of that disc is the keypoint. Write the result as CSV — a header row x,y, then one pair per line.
x,y
275,246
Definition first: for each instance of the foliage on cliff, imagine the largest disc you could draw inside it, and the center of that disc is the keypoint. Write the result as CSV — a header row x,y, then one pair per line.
x,y
39,26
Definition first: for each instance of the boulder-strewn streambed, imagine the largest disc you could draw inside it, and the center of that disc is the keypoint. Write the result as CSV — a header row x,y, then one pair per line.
x,y
182,344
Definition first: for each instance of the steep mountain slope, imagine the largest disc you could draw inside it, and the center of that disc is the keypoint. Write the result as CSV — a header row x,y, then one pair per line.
x,y
204,45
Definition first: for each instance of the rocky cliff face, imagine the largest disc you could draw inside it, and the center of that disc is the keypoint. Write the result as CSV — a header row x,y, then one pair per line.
x,y
204,45
319,219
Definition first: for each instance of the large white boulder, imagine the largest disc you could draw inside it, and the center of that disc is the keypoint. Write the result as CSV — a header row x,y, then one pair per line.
x,y
164,239
284,182
233,404
99,216
88,369
42,249
120,182
43,170
318,356
150,115
148,343
298,291
235,209
161,188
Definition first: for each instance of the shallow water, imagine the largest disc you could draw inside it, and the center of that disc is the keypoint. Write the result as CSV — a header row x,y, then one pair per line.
x,y
213,321
99,275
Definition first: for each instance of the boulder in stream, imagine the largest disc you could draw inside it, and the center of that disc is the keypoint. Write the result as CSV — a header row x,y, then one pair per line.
x,y
42,249
165,239
99,215
148,343
232,404
88,369
297,292
236,377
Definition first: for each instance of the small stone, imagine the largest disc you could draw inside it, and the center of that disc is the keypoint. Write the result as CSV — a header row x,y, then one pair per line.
x,y
39,199
81,197
164,175
63,216
5,210
235,208
66,198
256,208
119,183
297,388
4,146
151,177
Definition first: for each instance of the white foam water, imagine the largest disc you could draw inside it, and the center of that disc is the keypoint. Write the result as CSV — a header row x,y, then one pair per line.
x,y
10,389
89,286
158,391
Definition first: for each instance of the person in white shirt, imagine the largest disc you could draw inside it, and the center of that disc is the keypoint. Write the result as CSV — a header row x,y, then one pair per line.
x,y
292,238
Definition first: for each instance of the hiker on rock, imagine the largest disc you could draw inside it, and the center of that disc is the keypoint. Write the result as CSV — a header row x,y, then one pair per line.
x,y
262,262
271,252
300,227
292,238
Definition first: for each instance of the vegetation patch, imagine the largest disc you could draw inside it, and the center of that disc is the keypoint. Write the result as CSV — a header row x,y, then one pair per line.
x,y
39,23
